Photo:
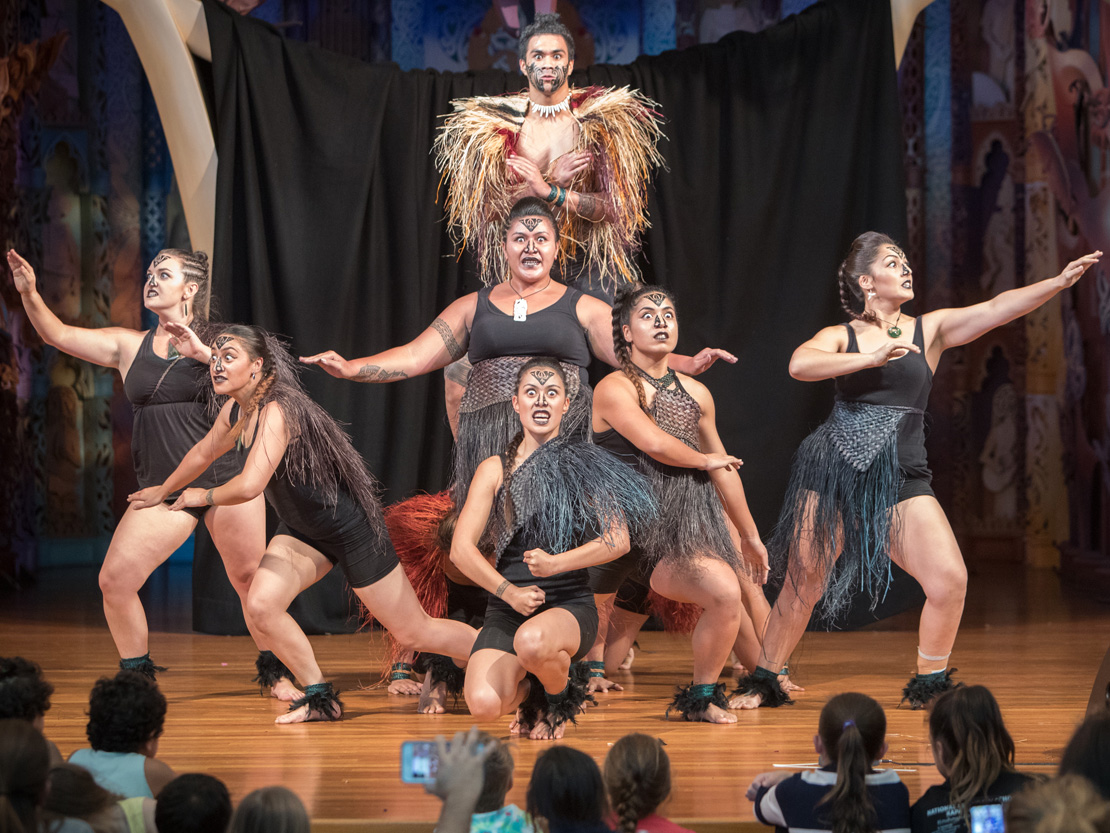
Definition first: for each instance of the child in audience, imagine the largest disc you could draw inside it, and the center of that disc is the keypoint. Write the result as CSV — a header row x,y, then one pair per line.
x,y
270,810
1088,752
491,814
638,779
126,715
845,795
193,803
1067,804
974,753
73,793
566,791
24,770
25,695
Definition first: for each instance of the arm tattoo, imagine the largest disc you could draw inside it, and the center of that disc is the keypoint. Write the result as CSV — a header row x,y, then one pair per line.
x,y
208,497
376,373
454,349
590,207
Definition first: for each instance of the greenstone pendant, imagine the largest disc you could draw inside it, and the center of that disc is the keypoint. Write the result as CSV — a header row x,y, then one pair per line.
x,y
894,332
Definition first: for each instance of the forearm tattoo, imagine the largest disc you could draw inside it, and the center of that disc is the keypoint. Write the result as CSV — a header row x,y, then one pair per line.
x,y
208,497
454,349
590,207
376,373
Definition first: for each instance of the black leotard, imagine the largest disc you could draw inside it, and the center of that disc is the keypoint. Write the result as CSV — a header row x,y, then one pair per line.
x,y
552,331
170,411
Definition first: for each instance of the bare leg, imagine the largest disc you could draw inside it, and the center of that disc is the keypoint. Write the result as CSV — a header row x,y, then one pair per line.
x,y
711,585
624,626
494,684
604,604
928,551
544,644
404,685
143,540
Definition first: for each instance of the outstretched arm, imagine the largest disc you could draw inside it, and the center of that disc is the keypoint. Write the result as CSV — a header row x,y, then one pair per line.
x,y
440,344
106,346
953,327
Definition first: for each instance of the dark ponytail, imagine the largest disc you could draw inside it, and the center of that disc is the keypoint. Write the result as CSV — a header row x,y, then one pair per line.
x,y
852,728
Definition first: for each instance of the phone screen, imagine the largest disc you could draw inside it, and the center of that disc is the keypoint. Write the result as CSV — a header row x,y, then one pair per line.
x,y
419,761
987,818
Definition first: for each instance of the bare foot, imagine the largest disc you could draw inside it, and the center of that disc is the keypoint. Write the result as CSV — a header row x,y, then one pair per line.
x,y
789,686
306,715
405,686
433,698
285,691
544,730
712,714
745,702
628,658
601,685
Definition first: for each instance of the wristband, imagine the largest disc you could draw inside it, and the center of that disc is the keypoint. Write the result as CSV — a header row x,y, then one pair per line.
x,y
501,588
554,193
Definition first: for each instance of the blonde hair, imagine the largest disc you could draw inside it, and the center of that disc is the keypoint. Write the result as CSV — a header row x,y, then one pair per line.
x,y
1068,804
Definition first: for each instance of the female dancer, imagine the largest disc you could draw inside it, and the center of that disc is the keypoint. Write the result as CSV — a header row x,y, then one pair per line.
x,y
167,395
861,482
667,429
326,500
529,314
553,506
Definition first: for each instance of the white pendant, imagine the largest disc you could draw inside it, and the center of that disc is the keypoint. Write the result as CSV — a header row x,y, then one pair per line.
x,y
520,310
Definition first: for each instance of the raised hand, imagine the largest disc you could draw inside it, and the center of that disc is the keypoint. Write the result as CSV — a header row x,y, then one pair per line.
x,y
540,563
22,273
568,166
892,350
530,174
1072,272
524,600
718,460
333,363
707,357
186,342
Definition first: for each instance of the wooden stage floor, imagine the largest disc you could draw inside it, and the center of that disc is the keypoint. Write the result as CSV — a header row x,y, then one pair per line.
x,y
1035,644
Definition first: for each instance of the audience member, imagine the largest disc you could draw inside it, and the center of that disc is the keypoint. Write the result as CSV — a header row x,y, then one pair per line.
x,y
1088,752
126,715
491,814
566,791
193,803
975,754
25,695
638,779
845,795
461,778
24,770
270,810
1068,804
75,794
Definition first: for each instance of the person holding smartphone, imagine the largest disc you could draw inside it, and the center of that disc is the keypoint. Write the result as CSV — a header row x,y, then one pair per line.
x,y
553,506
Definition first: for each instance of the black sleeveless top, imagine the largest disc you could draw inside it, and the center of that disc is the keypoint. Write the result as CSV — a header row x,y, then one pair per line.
x,y
905,382
553,331
168,400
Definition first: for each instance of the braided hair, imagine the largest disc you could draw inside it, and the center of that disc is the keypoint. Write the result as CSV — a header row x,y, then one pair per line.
x,y
623,304
637,777
508,456
319,452
194,266
864,252
852,727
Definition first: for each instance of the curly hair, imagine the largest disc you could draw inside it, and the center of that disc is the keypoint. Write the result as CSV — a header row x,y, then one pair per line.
x,y
24,694
544,24
864,251
637,777
125,711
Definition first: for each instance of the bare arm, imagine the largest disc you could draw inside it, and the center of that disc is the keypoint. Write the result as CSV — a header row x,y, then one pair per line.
x,y
824,356
591,206
214,445
465,554
617,406
443,342
106,346
953,327
598,551
158,774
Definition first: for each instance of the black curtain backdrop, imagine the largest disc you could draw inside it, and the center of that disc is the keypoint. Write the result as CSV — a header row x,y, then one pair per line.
x,y
782,146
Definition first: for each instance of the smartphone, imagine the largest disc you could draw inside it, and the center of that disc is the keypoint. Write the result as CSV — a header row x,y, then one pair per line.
x,y
987,818
419,761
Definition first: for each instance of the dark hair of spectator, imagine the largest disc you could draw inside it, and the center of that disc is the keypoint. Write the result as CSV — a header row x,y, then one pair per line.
x,y
497,776
1088,752
193,803
24,766
852,729
567,791
75,794
24,694
125,711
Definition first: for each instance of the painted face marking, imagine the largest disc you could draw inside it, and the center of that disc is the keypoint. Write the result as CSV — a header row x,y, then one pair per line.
x,y
160,258
530,223
657,298
543,375
536,73
222,340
